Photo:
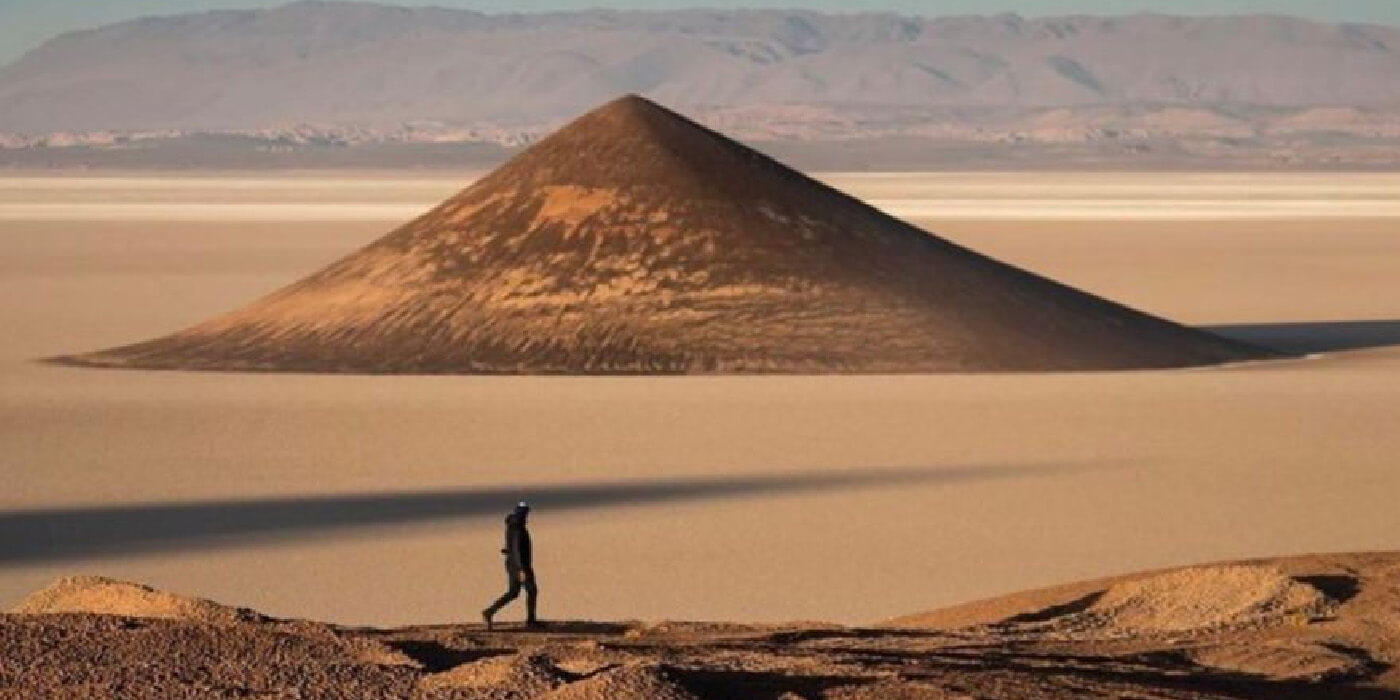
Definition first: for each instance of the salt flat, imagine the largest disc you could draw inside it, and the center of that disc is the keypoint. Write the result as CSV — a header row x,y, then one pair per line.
x,y
1002,482
942,196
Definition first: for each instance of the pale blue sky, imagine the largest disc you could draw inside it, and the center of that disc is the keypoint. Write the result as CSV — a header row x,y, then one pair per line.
x,y
26,23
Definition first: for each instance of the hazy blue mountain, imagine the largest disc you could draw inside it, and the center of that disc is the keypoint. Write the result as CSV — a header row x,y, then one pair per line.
x,y
371,65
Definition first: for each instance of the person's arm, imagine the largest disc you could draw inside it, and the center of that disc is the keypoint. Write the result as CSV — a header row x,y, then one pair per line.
x,y
512,549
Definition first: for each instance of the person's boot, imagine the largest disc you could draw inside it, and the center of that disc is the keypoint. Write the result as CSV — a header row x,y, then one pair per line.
x,y
486,616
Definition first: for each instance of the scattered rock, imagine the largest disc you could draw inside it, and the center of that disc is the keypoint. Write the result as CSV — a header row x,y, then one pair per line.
x,y
1283,660
644,681
524,675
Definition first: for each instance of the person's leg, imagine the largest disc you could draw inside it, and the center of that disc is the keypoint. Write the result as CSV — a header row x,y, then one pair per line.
x,y
532,592
512,592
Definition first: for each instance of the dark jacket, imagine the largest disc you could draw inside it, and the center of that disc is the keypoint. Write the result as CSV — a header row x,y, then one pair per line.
x,y
517,551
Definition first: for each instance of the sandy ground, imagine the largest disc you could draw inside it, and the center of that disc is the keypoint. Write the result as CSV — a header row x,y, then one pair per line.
x,y
719,498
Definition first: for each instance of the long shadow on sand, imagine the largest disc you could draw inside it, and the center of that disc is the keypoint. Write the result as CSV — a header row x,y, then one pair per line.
x,y
74,532
1314,336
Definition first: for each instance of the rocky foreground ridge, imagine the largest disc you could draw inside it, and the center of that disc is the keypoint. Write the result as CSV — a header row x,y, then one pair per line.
x,y
1303,627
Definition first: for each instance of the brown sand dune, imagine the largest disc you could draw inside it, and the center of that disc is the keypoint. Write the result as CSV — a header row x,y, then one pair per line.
x,y
1183,600
1203,598
1333,574
104,596
1302,627
634,241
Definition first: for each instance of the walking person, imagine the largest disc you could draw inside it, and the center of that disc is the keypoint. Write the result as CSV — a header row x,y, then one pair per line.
x,y
520,570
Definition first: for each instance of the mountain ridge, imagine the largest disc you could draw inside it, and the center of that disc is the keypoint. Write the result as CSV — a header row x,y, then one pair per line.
x,y
361,63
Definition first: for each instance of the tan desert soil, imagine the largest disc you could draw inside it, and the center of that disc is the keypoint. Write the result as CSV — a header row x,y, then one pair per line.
x,y
1305,627
634,241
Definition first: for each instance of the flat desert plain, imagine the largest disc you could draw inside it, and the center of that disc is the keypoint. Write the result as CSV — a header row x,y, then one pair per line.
x,y
378,500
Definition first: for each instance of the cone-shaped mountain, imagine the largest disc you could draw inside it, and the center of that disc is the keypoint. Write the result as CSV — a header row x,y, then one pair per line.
x,y
635,241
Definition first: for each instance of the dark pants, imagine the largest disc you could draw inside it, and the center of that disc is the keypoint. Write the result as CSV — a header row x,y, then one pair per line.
x,y
515,581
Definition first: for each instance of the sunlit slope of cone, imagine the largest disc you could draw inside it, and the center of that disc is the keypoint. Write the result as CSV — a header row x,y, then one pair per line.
x,y
634,241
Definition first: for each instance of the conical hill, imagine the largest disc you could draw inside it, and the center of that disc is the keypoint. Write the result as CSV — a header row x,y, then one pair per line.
x,y
634,241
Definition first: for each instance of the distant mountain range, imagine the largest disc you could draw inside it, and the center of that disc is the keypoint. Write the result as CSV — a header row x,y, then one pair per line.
x,y
345,73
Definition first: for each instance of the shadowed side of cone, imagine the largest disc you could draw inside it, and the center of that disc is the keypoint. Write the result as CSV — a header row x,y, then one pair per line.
x,y
634,241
